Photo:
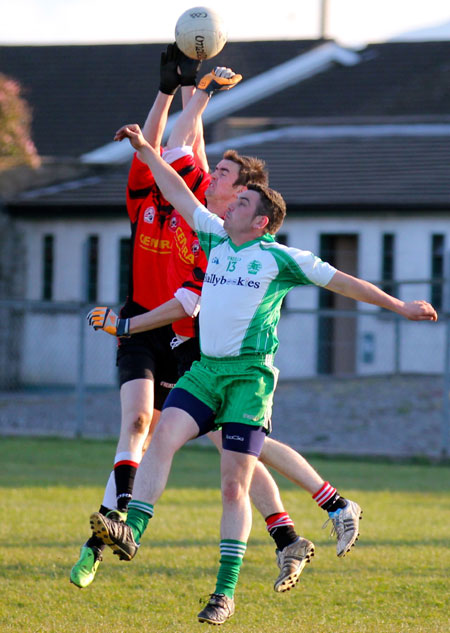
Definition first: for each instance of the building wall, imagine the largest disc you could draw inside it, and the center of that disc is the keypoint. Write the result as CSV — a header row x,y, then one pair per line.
x,y
421,345
51,340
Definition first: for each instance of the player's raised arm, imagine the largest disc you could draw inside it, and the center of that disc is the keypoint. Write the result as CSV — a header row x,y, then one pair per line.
x,y
171,185
189,123
361,290
155,123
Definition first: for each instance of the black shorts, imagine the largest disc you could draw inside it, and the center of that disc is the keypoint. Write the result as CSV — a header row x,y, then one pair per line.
x,y
185,354
148,355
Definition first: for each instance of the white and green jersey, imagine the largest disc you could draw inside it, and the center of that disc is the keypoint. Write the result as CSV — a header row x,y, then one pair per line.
x,y
244,287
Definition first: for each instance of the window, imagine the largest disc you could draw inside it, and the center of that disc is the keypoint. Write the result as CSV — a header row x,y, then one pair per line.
x,y
437,269
92,268
47,267
124,267
387,264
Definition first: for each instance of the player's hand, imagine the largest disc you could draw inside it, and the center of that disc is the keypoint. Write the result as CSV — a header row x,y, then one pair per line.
x,y
188,69
168,75
132,131
420,311
220,78
103,318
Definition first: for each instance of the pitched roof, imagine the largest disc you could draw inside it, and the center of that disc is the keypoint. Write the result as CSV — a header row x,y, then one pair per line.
x,y
339,162
315,167
106,188
81,94
402,79
268,82
354,165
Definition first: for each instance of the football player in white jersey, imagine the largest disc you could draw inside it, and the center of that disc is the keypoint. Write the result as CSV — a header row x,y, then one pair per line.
x,y
229,178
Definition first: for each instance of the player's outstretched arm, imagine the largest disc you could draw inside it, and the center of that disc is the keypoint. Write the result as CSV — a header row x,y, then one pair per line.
x,y
104,318
170,183
361,290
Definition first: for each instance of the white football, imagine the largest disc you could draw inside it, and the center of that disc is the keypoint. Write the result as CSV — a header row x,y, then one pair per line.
x,y
200,33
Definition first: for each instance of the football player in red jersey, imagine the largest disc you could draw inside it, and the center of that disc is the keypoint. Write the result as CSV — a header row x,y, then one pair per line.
x,y
147,369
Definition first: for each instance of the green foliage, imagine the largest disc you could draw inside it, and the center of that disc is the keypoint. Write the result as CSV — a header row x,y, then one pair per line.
x,y
16,146
393,581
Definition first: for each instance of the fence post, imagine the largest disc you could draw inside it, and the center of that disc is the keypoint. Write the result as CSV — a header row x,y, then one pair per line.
x,y
81,379
397,346
445,431
445,424
81,382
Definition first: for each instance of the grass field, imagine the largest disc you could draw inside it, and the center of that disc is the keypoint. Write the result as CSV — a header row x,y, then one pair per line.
x,y
396,578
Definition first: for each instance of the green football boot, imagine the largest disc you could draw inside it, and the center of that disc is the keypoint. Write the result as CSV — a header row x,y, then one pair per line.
x,y
84,570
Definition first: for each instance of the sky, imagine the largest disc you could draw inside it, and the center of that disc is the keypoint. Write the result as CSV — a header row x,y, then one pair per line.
x,y
350,22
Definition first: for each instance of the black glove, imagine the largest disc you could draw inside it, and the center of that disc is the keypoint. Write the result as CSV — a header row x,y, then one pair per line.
x,y
188,69
169,77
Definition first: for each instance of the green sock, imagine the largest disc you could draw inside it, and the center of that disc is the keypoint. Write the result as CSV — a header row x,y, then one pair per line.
x,y
139,514
231,555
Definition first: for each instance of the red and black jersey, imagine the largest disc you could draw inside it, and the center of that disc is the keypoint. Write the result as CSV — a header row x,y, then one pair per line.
x,y
151,239
153,223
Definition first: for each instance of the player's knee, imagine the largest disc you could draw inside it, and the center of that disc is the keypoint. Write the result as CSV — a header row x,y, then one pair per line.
x,y
165,436
232,489
140,424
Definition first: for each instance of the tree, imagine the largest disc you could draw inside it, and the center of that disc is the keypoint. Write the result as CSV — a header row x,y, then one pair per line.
x,y
16,146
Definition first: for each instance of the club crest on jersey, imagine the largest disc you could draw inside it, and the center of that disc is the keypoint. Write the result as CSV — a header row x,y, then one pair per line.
x,y
149,215
195,247
254,267
173,223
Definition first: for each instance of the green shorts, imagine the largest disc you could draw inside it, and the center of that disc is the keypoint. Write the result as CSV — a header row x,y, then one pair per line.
x,y
239,389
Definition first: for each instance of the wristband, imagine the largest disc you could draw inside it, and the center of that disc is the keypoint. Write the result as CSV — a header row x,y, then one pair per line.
x,y
123,328
188,81
166,90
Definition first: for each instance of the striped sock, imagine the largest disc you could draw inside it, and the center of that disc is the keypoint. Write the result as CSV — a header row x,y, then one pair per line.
x,y
139,514
281,528
231,555
328,498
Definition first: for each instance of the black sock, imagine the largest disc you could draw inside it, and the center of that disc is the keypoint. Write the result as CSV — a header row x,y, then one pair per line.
x,y
96,545
281,528
124,476
334,503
